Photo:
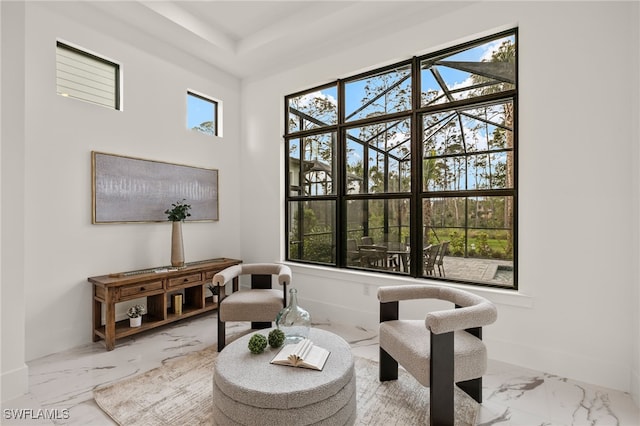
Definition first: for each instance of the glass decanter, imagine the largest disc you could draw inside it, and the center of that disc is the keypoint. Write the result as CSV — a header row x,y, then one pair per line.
x,y
294,321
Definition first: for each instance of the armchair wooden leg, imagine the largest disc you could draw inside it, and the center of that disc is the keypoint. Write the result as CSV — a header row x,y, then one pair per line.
x,y
221,335
473,388
388,367
442,382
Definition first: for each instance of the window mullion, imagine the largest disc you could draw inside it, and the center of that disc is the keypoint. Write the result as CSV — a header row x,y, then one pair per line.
x,y
341,189
415,203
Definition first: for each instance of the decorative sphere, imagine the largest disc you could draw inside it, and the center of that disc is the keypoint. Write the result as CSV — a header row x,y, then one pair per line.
x,y
257,343
276,338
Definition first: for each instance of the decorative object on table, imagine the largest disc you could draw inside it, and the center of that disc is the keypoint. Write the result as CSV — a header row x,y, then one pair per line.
x,y
178,212
276,338
176,303
257,343
215,291
293,320
303,354
151,185
135,315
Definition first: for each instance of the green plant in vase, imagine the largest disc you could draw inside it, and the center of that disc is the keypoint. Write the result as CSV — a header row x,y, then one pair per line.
x,y
178,212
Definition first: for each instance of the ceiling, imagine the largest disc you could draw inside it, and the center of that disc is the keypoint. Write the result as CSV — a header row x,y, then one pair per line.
x,y
249,38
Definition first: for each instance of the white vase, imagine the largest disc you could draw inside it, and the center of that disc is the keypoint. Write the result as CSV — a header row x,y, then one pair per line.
x,y
177,249
135,322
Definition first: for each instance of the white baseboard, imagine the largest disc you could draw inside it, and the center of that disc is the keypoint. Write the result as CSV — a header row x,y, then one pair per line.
x,y
15,383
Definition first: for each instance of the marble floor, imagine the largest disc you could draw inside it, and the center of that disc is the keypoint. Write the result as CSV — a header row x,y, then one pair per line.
x,y
62,383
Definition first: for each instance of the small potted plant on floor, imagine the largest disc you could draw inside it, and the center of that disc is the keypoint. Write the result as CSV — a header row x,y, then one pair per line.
x,y
135,315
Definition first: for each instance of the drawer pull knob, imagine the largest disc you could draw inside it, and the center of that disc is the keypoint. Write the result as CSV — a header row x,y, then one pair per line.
x,y
142,289
186,280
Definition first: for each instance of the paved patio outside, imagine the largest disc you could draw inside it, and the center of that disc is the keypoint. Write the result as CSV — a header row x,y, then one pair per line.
x,y
485,270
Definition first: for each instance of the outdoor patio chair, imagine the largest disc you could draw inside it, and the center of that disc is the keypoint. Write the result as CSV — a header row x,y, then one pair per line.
x,y
373,256
353,255
440,259
441,351
366,241
430,254
260,305
397,255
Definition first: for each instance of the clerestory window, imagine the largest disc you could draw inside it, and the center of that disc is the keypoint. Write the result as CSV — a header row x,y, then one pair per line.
x,y
410,169
88,77
203,114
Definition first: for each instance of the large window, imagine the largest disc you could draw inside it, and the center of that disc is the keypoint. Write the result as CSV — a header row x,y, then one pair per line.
x,y
410,169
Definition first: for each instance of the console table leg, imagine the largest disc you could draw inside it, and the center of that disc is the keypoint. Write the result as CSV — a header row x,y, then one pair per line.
x,y
97,313
110,321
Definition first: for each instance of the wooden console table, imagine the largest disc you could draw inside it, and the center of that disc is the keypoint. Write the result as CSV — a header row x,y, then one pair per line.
x,y
157,285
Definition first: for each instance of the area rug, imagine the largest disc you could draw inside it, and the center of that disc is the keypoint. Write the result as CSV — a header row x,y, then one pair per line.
x,y
180,392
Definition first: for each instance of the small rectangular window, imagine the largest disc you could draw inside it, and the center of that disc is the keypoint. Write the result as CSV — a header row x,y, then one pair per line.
x,y
203,114
82,75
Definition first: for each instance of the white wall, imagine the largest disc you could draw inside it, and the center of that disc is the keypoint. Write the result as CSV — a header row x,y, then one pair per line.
x,y
14,377
635,129
578,186
62,247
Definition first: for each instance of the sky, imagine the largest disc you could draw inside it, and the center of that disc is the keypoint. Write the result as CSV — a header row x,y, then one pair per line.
x,y
356,96
453,78
198,111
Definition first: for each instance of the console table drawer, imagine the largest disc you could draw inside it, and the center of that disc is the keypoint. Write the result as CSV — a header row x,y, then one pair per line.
x,y
185,279
140,289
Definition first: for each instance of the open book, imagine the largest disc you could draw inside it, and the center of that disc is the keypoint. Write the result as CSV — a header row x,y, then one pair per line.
x,y
302,354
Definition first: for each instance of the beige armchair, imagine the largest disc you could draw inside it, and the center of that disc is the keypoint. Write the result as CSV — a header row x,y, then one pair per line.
x,y
444,349
260,305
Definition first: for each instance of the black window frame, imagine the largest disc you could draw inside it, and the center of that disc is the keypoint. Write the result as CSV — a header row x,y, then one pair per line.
x,y
216,112
416,195
116,67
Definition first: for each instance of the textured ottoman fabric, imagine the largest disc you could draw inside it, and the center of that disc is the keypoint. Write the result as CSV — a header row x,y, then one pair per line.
x,y
336,410
222,420
248,390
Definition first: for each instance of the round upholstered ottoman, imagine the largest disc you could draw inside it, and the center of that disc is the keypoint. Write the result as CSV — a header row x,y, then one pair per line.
x,y
248,390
